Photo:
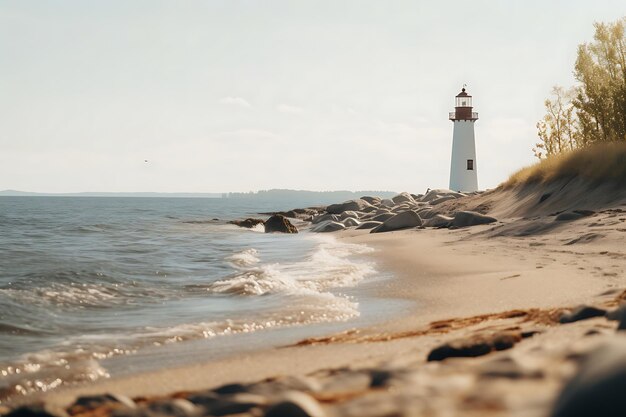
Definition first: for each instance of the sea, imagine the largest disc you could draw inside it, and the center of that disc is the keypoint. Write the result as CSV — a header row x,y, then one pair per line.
x,y
95,287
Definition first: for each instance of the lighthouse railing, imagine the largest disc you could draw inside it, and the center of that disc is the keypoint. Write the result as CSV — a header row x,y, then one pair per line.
x,y
452,116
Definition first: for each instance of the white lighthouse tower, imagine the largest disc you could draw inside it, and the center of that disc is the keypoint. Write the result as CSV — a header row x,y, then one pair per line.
x,y
463,172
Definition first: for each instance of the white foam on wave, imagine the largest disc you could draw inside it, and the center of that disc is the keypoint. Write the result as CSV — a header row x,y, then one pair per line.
x,y
244,258
327,268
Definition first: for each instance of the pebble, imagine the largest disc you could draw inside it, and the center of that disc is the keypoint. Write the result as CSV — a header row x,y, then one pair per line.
x,y
176,407
37,410
474,346
94,401
295,404
583,312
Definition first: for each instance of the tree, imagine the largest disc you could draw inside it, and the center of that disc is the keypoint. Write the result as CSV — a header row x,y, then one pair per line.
x,y
601,70
558,130
595,109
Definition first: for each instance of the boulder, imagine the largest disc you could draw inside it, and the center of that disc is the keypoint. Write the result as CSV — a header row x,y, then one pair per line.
x,y
351,222
383,217
400,221
372,200
402,198
369,225
387,203
597,389
325,217
248,223
442,199
438,193
369,209
279,224
355,205
438,220
401,207
427,212
328,226
471,218
349,213
573,215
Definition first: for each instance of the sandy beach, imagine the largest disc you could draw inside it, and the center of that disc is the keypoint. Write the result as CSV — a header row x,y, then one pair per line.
x,y
491,292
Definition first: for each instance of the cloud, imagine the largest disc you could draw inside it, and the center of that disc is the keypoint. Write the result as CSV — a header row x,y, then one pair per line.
x,y
237,101
286,108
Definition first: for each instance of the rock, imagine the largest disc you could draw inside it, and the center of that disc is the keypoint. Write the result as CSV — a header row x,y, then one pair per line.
x,y
618,314
369,209
582,313
351,222
471,218
383,217
90,402
345,382
279,224
235,404
328,226
402,198
401,207
177,407
597,389
573,215
247,223
400,221
37,410
438,193
442,199
474,346
506,367
349,213
369,225
325,217
295,404
380,377
354,205
372,200
427,212
231,389
387,203
439,220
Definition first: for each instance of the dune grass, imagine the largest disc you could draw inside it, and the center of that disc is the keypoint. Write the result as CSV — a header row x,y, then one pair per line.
x,y
600,162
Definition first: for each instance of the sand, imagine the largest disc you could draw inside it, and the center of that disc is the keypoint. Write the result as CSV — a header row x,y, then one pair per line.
x,y
463,284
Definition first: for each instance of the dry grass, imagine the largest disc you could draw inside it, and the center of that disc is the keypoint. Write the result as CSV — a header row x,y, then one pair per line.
x,y
601,162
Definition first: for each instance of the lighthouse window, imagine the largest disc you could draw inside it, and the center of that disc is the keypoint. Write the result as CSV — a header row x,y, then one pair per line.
x,y
470,164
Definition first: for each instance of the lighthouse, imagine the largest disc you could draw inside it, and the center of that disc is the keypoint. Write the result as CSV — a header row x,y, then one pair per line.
x,y
463,168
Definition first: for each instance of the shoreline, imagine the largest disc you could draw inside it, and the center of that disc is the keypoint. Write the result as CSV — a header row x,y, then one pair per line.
x,y
465,284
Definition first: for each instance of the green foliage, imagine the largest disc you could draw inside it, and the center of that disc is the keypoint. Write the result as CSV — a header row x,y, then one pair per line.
x,y
595,110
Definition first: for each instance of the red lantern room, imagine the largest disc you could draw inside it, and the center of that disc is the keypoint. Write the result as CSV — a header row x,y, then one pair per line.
x,y
463,107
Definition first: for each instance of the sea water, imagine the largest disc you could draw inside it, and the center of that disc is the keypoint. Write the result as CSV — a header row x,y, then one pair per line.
x,y
87,279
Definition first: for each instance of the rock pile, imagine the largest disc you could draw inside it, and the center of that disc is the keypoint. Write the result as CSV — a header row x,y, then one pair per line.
x,y
404,211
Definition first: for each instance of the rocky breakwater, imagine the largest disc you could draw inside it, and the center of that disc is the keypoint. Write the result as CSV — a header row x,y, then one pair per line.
x,y
404,211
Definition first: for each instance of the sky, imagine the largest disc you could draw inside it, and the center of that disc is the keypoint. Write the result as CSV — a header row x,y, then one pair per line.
x,y
237,95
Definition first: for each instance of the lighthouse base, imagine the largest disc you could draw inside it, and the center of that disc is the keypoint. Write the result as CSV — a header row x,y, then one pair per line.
x,y
463,167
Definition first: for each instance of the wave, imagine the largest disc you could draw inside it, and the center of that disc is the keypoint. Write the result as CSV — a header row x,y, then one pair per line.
x,y
293,293
327,268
